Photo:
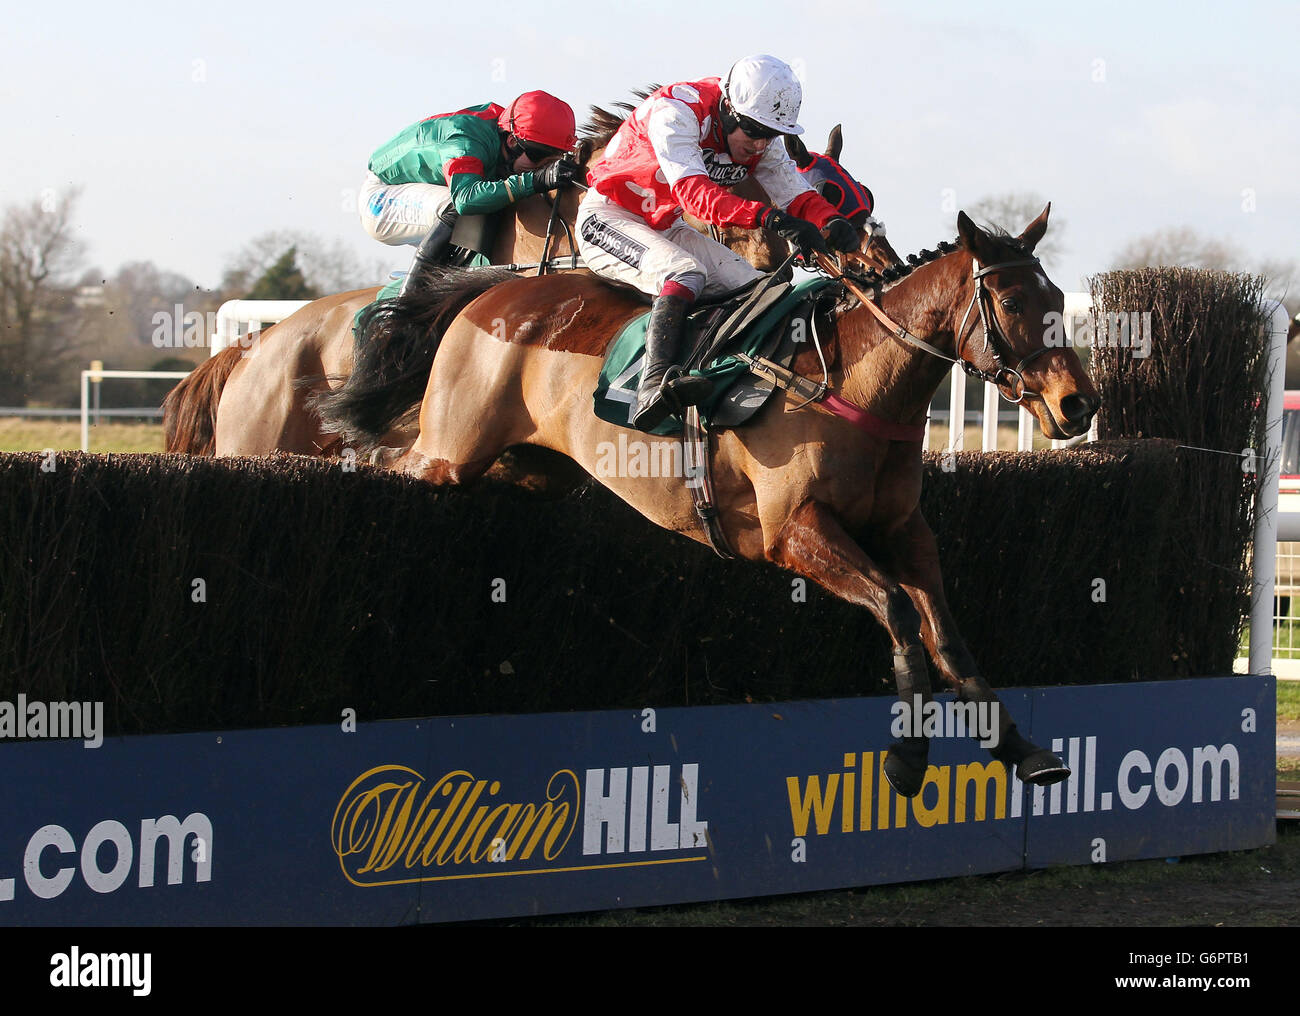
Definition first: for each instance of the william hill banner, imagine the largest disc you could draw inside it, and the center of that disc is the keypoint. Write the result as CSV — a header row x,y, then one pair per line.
x,y
466,818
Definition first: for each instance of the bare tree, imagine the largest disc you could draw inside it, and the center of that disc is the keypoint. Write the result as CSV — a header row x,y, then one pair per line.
x,y
1185,247
38,256
1179,246
1015,210
327,266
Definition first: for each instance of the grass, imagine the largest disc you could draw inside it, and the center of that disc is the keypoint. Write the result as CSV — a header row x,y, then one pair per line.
x,y
19,434
1288,701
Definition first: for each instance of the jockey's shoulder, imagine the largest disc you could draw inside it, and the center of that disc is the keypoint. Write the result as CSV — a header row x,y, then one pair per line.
x,y
702,95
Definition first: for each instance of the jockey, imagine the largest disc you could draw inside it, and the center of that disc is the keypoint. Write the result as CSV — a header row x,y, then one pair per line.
x,y
473,162
682,149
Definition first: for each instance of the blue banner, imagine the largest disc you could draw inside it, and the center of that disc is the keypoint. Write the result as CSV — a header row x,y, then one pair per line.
x,y
462,818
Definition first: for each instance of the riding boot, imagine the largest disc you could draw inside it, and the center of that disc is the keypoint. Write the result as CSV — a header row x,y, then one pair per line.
x,y
664,387
431,252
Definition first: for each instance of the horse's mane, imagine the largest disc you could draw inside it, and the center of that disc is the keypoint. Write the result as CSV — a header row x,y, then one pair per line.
x,y
887,278
603,124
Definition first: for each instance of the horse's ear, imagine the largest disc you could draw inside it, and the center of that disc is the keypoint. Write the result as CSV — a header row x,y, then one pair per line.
x,y
973,238
1035,230
798,151
835,143
583,151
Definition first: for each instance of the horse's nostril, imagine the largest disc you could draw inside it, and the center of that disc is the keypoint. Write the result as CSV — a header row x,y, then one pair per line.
x,y
1078,407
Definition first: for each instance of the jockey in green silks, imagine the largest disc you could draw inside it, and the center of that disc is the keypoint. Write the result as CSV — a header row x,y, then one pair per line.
x,y
472,162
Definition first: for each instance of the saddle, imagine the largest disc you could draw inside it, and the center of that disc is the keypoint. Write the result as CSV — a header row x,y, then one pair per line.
x,y
768,318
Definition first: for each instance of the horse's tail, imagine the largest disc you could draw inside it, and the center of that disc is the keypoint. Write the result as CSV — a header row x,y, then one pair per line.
x,y
395,343
190,409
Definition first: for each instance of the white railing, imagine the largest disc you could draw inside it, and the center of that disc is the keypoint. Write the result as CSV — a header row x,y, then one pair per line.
x,y
1077,305
237,318
87,376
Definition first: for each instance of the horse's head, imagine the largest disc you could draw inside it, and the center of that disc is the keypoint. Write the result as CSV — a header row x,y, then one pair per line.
x,y
1017,307
849,197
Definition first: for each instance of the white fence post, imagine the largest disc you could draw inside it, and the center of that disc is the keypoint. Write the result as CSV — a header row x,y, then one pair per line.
x,y
1264,554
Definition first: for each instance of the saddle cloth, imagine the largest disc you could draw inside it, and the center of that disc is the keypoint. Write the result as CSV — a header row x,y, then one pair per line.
x,y
781,325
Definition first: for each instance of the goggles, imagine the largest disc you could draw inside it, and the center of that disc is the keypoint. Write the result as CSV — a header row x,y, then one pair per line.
x,y
749,127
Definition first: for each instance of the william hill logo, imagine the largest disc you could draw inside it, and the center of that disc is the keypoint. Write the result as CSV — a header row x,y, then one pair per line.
x,y
393,826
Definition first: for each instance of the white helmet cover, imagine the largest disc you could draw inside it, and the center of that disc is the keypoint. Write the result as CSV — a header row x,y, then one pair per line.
x,y
765,89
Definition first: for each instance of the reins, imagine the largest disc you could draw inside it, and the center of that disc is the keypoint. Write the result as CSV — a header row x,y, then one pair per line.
x,y
1012,376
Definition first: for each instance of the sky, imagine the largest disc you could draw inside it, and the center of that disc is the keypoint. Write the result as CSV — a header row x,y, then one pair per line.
x,y
193,128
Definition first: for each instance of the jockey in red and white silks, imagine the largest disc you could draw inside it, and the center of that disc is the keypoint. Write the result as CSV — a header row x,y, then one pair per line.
x,y
683,149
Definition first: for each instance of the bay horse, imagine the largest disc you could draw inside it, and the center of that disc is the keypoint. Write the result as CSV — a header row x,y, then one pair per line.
x,y
253,399
517,361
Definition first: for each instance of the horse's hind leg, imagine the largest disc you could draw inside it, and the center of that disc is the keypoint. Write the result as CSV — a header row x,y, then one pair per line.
x,y
913,556
813,543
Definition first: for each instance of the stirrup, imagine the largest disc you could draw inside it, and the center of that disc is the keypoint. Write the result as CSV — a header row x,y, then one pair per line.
x,y
685,388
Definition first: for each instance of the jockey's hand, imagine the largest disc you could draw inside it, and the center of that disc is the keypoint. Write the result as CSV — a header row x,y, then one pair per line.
x,y
841,236
874,227
560,173
805,237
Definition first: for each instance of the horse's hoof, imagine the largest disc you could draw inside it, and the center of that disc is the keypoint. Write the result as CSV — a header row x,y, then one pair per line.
x,y
905,767
1042,769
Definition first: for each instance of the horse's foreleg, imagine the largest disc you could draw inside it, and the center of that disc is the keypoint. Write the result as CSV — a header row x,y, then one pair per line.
x,y
914,557
813,543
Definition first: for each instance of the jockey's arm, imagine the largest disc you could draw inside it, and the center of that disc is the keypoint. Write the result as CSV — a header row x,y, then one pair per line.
x,y
674,134
473,194
788,189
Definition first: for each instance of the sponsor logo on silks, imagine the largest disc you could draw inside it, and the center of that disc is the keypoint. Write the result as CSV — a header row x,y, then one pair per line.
x,y
728,173
377,202
393,826
607,238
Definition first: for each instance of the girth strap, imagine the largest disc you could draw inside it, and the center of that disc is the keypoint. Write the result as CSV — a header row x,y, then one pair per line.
x,y
699,479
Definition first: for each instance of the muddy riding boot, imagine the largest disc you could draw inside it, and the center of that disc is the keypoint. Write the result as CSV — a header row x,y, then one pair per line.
x,y
432,251
665,388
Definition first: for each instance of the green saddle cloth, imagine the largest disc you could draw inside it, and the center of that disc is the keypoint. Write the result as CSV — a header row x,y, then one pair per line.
x,y
615,395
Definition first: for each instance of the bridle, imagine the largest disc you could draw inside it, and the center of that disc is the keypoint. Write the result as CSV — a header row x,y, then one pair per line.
x,y
981,299
995,340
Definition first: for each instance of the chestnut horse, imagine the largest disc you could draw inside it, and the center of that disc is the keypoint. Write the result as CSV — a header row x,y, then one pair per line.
x,y
517,362
253,399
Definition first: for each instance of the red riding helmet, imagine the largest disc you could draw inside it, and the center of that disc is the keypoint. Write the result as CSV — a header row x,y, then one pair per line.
x,y
541,119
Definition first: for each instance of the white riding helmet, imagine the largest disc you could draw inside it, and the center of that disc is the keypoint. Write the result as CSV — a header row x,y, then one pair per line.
x,y
765,89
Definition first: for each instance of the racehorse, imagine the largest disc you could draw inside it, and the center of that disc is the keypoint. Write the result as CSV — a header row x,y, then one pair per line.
x,y
517,361
253,399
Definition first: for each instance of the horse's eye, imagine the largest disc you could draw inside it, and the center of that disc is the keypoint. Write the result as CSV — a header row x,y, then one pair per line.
x,y
1011,305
